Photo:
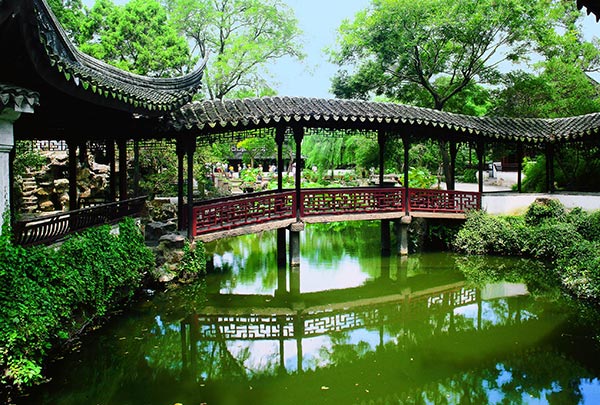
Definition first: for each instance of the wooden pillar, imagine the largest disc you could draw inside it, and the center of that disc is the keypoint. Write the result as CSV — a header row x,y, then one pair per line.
x,y
550,168
298,136
480,157
73,203
136,168
112,178
180,151
279,139
406,144
122,144
453,151
381,143
190,149
519,166
281,269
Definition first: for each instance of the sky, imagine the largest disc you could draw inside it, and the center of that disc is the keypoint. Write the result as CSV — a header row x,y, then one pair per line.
x,y
319,20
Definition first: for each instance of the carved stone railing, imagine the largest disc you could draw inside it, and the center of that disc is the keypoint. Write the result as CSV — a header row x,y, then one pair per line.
x,y
51,228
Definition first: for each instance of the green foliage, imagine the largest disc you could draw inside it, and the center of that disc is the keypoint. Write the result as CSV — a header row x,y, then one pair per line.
x,y
453,40
136,37
256,148
45,291
580,269
570,241
240,37
420,177
550,240
27,157
542,210
194,259
486,234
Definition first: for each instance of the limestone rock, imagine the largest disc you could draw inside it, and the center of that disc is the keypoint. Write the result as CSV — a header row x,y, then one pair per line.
x,y
172,241
154,230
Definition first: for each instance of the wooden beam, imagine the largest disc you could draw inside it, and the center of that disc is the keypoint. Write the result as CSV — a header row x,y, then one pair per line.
x,y
122,144
406,144
519,166
480,157
180,151
73,203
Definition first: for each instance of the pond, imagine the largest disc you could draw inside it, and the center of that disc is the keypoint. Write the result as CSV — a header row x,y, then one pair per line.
x,y
347,327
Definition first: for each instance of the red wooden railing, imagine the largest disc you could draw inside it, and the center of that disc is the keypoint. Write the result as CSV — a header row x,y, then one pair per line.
x,y
49,229
336,201
443,201
251,209
248,209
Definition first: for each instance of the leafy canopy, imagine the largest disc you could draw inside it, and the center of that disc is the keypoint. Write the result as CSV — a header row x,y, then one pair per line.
x,y
239,37
399,45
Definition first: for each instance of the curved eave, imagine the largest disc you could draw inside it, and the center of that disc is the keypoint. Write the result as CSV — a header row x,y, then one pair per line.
x,y
59,62
591,6
213,117
17,98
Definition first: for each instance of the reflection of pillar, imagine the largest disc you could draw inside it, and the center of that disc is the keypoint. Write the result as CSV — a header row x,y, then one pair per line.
x,y
281,323
184,345
385,268
402,269
210,263
299,333
281,248
385,237
281,279
193,341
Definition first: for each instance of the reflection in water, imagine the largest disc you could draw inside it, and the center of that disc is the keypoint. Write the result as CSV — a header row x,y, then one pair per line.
x,y
349,327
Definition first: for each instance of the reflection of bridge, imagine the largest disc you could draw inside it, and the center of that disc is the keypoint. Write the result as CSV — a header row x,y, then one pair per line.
x,y
277,323
277,209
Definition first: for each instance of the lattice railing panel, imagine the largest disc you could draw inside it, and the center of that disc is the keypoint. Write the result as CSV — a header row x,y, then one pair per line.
x,y
244,210
443,200
351,201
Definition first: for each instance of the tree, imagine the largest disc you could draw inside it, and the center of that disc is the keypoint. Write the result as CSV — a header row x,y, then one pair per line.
x,y
240,37
400,47
257,147
71,14
136,37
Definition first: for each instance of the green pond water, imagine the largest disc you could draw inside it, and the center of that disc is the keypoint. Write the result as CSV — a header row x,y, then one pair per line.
x,y
347,327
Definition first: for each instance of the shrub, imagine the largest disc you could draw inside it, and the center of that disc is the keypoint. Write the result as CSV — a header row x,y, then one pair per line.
x,y
550,240
47,293
543,209
486,234
579,269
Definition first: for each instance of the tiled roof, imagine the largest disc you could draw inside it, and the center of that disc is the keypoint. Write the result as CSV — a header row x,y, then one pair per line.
x,y
237,115
17,98
50,48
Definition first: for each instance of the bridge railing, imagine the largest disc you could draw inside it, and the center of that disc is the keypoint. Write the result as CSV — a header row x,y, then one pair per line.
x,y
49,229
257,208
445,201
247,209
363,200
